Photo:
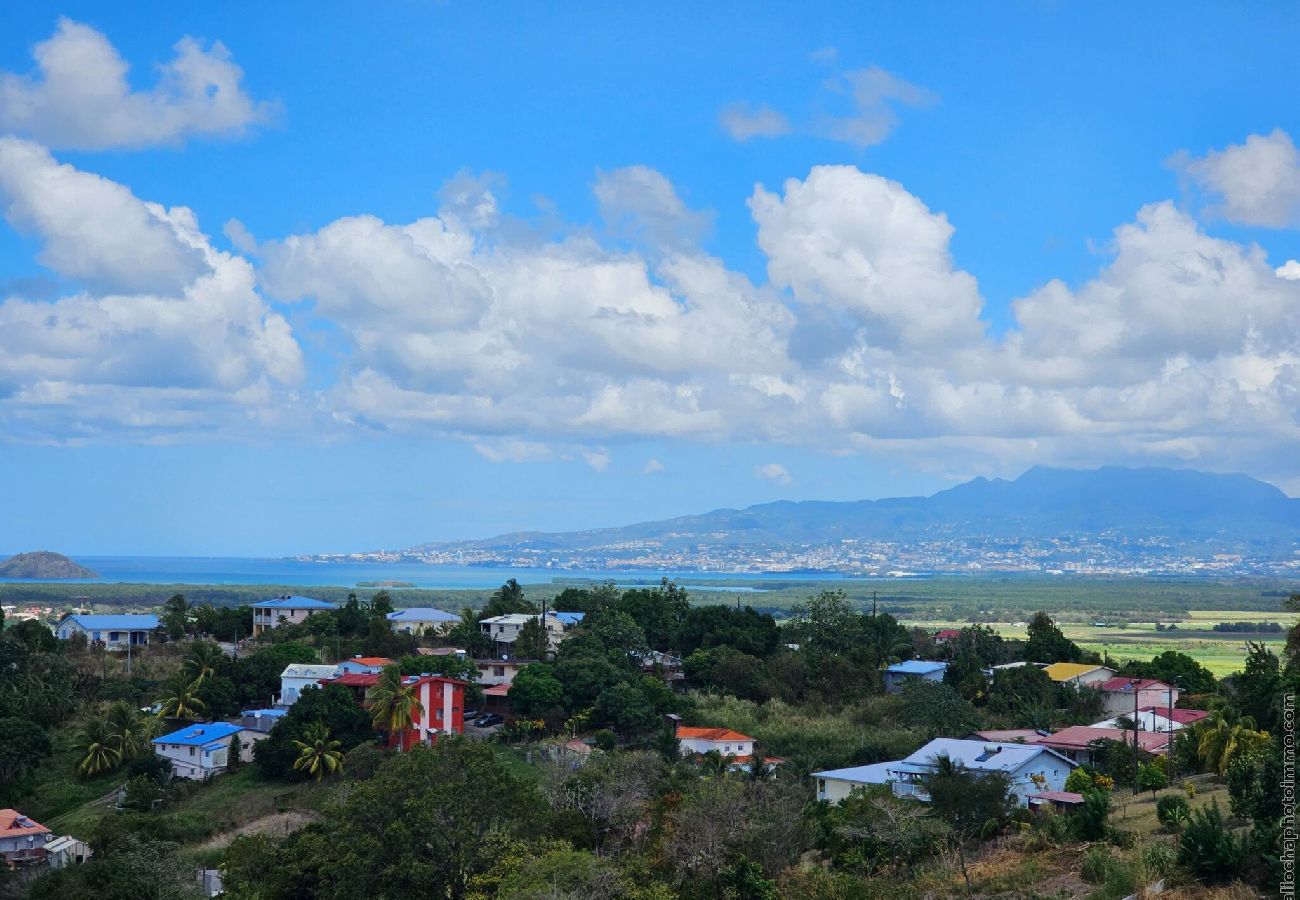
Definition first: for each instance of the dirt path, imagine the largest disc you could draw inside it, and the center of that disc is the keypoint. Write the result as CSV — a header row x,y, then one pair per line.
x,y
275,825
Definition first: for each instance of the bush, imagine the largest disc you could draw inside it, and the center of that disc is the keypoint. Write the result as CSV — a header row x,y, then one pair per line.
x,y
1096,864
1207,849
1089,820
1079,780
1158,861
1121,838
605,740
1172,811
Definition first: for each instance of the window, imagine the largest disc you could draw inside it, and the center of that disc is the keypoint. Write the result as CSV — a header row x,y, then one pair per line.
x,y
95,635
821,785
727,748
498,671
191,751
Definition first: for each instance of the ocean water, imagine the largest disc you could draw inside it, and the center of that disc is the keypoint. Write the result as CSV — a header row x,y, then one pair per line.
x,y
239,570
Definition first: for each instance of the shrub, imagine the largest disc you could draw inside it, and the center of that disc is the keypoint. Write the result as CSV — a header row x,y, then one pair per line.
x,y
1157,860
1190,787
605,740
1089,820
1079,780
1121,837
1097,863
1172,811
1206,848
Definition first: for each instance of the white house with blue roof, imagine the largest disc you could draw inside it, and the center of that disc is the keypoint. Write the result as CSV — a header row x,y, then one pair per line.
x,y
286,610
419,619
114,632
197,751
925,669
1030,769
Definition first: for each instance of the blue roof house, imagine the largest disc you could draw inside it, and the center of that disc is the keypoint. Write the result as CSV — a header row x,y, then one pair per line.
x,y
418,619
197,751
286,610
114,632
897,674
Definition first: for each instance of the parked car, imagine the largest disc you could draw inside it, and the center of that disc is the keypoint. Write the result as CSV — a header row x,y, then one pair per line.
x,y
471,714
489,720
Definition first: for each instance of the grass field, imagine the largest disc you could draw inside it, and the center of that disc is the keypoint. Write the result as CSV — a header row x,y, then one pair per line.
x,y
1221,652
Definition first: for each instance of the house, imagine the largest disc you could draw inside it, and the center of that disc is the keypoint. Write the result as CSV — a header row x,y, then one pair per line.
x,y
359,683
1030,768
723,740
261,720
1124,696
286,610
944,635
370,665
114,632
22,840
1076,741
297,676
442,710
420,619
197,751
504,630
570,618
925,669
500,671
1079,674
1158,719
64,851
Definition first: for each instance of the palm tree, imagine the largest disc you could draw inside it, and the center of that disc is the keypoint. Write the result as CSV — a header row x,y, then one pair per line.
x,y
182,703
202,661
394,707
101,755
127,729
1223,733
318,755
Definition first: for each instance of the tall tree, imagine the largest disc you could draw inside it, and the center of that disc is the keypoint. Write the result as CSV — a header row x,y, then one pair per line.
x,y
202,661
394,706
100,753
966,801
1047,644
181,701
175,616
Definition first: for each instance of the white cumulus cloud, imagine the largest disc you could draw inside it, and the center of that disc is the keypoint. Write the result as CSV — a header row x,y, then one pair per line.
x,y
79,96
1253,183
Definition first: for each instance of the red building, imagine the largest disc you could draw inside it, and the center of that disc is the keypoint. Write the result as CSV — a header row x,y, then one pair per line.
x,y
442,704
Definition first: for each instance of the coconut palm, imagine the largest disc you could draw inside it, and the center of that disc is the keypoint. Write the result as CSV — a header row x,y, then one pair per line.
x,y
182,702
128,729
394,707
1224,733
318,755
101,753
202,661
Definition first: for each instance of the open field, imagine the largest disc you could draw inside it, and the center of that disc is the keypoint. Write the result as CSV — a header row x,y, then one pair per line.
x,y
1221,652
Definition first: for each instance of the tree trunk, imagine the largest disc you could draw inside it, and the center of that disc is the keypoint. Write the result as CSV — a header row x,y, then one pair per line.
x,y
961,855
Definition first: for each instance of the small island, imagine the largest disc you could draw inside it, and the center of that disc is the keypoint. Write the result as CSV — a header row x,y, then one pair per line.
x,y
43,565
386,584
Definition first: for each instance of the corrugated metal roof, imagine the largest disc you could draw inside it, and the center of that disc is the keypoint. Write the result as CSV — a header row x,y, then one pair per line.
x,y
294,603
199,735
124,622
917,667
422,614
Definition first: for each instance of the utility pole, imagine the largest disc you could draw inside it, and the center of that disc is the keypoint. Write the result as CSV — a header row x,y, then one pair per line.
x,y
1135,740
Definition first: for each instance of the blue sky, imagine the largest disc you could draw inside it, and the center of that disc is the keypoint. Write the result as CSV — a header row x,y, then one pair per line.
x,y
452,269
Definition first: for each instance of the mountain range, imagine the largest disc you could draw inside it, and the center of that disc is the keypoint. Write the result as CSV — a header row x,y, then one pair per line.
x,y
1185,509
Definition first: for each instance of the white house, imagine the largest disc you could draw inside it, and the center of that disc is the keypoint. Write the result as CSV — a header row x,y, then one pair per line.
x,y
22,840
286,610
499,671
197,751
1030,769
419,619
297,676
723,740
114,632
504,630
1157,718
927,670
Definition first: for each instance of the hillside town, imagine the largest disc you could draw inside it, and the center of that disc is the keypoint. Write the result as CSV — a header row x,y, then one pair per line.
x,y
302,690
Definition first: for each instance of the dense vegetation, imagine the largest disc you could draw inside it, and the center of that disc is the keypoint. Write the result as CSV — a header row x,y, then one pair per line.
x,y
517,817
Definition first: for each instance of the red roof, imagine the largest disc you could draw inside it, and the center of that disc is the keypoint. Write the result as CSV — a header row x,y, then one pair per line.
x,y
497,690
1078,737
947,633
14,823
711,734
353,679
1181,716
1129,685
1010,735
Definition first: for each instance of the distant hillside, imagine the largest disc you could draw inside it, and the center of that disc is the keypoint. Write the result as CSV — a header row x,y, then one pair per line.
x,y
41,565
1197,510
